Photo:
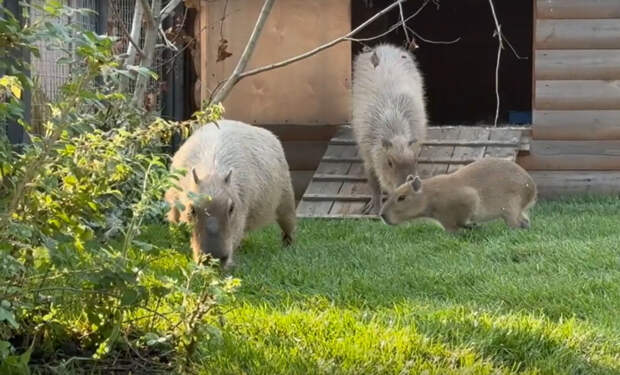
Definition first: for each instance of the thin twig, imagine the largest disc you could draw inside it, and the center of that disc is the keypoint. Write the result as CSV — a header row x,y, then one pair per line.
x,y
512,48
319,48
500,46
433,41
392,28
402,19
168,9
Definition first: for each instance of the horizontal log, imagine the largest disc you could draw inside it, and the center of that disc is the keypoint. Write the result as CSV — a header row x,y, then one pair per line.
x,y
439,142
338,159
582,9
577,95
572,155
552,184
336,197
578,34
577,64
576,125
339,177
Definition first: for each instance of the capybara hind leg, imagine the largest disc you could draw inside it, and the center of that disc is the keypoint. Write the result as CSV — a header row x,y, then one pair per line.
x,y
286,218
374,206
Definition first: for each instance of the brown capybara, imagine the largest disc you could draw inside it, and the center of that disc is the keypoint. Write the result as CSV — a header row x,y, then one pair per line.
x,y
485,190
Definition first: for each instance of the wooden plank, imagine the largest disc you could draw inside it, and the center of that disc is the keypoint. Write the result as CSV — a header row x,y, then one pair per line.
x,y
578,64
577,95
464,143
577,125
504,135
326,187
340,177
350,188
552,184
572,155
577,34
336,197
469,152
581,9
423,160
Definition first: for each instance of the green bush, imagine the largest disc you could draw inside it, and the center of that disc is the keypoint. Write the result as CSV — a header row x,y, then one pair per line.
x,y
78,287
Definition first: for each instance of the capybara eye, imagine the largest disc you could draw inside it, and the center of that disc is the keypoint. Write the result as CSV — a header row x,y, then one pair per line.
x,y
401,198
192,211
231,209
390,163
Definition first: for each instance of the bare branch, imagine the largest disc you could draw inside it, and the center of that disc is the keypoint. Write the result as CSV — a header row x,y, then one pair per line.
x,y
247,53
500,46
136,31
150,39
392,28
319,48
433,41
168,9
150,16
402,19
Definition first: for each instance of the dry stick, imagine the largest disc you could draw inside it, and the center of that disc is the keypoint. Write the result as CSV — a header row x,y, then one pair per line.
x,y
320,48
247,53
498,31
392,28
402,19
168,9
433,41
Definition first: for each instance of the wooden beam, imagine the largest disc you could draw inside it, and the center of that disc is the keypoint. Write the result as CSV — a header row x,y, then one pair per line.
x,y
464,143
572,155
577,34
577,125
336,197
204,49
553,184
581,9
578,64
330,159
577,95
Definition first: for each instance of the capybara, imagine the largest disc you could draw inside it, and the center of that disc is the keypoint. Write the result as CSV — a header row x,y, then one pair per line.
x,y
389,117
237,180
484,190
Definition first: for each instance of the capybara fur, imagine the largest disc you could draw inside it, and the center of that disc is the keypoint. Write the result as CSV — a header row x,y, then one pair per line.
x,y
485,190
237,180
389,117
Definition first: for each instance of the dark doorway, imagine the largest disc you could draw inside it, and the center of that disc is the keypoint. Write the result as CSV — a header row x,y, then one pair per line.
x,y
460,77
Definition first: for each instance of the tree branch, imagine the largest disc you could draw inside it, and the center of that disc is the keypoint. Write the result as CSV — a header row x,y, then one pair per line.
x,y
168,9
500,46
150,39
124,29
221,94
320,48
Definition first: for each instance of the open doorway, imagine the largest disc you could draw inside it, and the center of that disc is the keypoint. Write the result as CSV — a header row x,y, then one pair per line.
x,y
460,77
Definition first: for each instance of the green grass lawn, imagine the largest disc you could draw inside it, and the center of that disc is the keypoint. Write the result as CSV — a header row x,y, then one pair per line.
x,y
359,297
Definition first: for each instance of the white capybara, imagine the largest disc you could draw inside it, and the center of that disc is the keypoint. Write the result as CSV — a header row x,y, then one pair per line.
x,y
389,117
237,180
485,190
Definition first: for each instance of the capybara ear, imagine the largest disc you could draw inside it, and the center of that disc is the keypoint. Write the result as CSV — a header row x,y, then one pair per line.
x,y
416,184
195,176
386,143
227,177
410,178
374,59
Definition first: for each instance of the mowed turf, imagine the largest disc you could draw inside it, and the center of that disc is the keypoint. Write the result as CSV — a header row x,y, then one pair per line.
x,y
360,297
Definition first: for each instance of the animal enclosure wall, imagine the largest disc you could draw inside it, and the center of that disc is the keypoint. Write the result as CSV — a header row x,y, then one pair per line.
x,y
312,91
576,131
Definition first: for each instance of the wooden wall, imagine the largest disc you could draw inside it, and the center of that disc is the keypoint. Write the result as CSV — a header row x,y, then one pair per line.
x,y
576,126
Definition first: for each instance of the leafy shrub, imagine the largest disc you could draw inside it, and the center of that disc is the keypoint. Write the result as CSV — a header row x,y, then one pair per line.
x,y
78,286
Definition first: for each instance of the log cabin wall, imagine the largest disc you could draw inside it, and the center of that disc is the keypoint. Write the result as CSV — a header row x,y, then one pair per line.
x,y
576,121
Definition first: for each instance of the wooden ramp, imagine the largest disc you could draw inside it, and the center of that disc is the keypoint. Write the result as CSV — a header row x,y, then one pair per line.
x,y
339,188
